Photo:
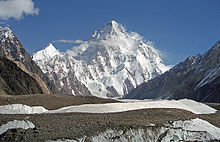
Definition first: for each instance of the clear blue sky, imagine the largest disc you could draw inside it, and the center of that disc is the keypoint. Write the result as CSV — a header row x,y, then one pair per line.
x,y
179,28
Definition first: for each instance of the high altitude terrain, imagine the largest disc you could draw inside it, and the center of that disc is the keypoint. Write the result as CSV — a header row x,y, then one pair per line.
x,y
19,74
198,78
184,120
110,63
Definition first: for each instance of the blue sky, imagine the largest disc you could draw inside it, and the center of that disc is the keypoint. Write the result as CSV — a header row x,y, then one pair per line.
x,y
179,28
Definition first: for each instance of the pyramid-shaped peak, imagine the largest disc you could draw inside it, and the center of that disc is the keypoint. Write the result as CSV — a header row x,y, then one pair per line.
x,y
112,23
50,49
47,53
50,46
111,30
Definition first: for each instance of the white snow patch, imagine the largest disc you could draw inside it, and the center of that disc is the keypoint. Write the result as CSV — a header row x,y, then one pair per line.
x,y
61,83
211,75
198,125
15,124
67,140
21,109
184,104
73,92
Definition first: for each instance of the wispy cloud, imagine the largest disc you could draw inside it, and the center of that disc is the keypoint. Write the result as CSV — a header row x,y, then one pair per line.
x,y
68,41
17,9
78,41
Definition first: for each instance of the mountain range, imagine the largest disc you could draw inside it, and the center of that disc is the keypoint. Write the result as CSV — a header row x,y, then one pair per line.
x,y
197,78
113,62
50,96
110,63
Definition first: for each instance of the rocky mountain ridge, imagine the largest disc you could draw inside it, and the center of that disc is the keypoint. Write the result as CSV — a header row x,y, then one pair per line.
x,y
14,81
12,49
198,78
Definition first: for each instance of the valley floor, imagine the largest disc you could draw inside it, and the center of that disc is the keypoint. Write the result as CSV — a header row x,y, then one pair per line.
x,y
53,101
72,125
75,125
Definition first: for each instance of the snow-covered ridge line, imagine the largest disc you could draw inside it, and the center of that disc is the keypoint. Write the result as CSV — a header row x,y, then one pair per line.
x,y
184,104
15,124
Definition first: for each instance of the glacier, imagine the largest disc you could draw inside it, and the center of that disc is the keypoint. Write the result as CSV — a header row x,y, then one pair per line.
x,y
15,124
184,104
188,130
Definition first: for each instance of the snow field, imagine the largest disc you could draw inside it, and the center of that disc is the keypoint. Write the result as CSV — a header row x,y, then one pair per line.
x,y
184,104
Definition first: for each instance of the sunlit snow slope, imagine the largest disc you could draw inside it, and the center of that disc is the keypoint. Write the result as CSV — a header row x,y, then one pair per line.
x,y
110,63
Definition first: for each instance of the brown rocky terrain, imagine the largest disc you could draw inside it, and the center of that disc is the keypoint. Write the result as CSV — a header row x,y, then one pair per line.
x,y
75,125
52,101
14,81
12,49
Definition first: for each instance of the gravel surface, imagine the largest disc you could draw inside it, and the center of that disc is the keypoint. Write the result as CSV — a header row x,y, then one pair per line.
x,y
214,105
72,125
53,101
75,125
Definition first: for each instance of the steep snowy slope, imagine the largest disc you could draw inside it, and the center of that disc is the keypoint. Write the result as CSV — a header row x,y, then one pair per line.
x,y
110,63
198,78
48,53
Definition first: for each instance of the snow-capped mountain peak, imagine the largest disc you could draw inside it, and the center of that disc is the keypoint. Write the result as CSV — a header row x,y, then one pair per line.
x,y
111,30
111,63
47,53
50,47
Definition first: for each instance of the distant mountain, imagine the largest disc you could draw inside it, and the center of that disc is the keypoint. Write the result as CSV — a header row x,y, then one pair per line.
x,y
12,49
198,78
110,63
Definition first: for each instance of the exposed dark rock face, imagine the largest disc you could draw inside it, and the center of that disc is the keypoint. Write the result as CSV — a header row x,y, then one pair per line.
x,y
198,78
14,81
11,48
